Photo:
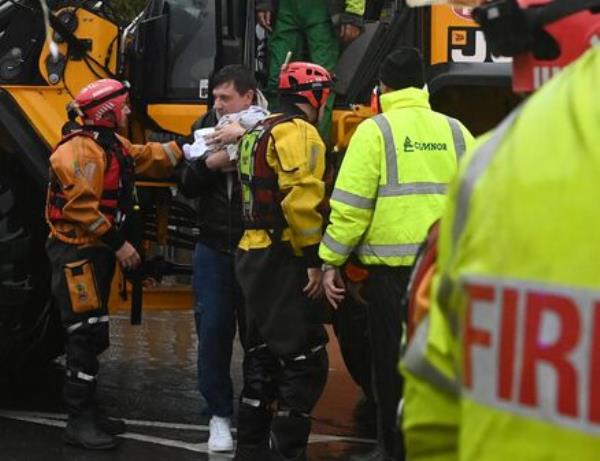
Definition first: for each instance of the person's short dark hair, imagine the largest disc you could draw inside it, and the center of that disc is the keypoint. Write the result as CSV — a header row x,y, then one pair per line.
x,y
241,77
403,68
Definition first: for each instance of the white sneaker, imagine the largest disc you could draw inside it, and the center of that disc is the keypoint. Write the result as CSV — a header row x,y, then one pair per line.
x,y
220,434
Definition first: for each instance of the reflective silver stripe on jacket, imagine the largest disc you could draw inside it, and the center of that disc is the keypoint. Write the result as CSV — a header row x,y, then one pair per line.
x,y
478,165
96,224
416,188
352,199
391,161
335,246
309,232
458,137
415,361
475,169
170,153
387,251
393,187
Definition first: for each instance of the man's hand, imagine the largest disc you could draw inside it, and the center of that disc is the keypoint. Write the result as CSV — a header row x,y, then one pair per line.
x,y
313,288
265,19
333,284
228,134
128,256
349,32
218,161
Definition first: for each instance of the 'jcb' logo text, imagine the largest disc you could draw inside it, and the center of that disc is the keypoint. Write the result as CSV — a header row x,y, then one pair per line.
x,y
534,350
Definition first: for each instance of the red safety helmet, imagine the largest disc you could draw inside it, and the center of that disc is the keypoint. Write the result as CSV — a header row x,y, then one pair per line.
x,y
306,79
543,36
100,103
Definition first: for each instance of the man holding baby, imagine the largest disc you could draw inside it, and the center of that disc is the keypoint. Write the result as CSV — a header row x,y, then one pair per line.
x,y
209,175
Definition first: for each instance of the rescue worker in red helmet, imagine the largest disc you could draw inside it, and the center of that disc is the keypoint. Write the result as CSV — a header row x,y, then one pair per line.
x,y
282,163
90,193
505,365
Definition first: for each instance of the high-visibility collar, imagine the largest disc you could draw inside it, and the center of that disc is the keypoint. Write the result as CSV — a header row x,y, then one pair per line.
x,y
407,97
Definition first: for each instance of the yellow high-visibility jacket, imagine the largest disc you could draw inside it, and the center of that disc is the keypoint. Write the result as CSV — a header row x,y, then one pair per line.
x,y
507,364
392,183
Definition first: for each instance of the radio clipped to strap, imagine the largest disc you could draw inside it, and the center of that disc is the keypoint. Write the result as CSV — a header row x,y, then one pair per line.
x,y
81,282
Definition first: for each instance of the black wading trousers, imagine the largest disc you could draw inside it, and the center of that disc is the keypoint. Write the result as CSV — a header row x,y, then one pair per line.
x,y
286,364
81,279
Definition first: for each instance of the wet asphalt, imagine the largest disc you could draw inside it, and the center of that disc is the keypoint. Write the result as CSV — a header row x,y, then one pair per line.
x,y
148,378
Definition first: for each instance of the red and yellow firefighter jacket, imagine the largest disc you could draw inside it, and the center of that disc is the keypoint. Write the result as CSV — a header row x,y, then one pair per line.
x,y
296,154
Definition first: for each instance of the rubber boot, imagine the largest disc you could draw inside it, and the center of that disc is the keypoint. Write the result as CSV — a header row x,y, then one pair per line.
x,y
247,452
84,431
253,433
111,426
289,436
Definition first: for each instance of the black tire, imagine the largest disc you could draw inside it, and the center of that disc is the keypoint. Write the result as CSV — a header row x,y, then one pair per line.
x,y
30,330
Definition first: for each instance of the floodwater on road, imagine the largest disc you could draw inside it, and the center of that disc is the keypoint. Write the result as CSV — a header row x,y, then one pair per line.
x,y
148,377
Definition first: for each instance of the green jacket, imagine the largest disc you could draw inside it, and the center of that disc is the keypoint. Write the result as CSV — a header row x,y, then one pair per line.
x,y
342,11
392,183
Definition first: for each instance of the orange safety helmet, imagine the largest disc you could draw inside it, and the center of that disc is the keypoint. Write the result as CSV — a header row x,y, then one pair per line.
x,y
306,79
100,103
543,36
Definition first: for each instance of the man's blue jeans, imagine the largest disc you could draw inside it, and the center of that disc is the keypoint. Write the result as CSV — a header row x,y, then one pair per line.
x,y
218,298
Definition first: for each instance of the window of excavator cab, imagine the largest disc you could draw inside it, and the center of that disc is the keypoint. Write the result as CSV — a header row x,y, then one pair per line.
x,y
464,103
192,48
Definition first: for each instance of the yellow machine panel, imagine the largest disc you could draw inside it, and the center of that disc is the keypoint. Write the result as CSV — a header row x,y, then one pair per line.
x,y
44,107
456,38
345,122
103,37
177,118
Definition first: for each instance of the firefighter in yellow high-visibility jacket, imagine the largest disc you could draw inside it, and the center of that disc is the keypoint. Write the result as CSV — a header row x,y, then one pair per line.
x,y
507,363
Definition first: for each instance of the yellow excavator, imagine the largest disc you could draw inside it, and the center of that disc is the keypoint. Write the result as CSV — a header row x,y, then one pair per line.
x,y
168,53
